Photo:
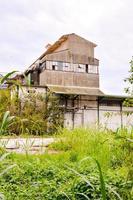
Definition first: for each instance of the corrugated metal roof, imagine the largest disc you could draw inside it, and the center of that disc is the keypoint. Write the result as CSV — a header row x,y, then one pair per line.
x,y
75,90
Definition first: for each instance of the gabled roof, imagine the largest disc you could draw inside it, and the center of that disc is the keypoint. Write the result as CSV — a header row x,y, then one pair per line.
x,y
61,40
53,47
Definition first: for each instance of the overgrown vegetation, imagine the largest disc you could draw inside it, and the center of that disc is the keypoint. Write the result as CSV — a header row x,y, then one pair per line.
x,y
89,164
34,114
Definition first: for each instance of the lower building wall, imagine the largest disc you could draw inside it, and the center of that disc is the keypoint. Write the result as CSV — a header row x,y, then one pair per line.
x,y
88,113
111,118
68,120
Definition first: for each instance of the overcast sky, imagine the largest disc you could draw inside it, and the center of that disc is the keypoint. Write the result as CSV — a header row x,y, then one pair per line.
x,y
26,26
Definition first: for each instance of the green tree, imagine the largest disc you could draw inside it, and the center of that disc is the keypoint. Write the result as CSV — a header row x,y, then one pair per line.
x,y
129,88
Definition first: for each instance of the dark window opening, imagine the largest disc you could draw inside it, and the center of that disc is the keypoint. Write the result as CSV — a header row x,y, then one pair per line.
x,y
53,67
42,66
109,103
35,77
86,68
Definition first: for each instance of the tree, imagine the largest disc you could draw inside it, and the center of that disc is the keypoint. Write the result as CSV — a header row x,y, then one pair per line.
x,y
6,77
129,89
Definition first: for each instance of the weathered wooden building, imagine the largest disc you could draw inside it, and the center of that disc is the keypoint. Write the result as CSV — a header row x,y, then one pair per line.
x,y
69,69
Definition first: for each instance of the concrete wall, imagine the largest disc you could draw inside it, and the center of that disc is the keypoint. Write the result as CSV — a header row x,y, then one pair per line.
x,y
113,117
89,117
63,46
74,50
86,111
78,45
63,56
67,56
31,90
110,116
69,79
68,120
88,114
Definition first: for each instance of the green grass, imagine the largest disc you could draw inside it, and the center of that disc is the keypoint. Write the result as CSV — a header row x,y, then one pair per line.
x,y
91,164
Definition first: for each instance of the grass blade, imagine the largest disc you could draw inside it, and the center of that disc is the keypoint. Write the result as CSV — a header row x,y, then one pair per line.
x,y
7,169
65,195
113,191
84,195
7,76
102,183
4,156
80,175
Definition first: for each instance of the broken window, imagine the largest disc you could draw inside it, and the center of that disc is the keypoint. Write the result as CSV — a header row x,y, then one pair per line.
x,y
86,68
53,67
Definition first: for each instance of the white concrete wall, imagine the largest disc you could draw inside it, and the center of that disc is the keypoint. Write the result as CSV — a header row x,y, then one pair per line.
x,y
78,119
127,117
68,123
90,117
109,117
31,90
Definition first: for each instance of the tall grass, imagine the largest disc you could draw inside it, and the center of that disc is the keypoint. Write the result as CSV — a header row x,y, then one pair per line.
x,y
111,153
6,122
87,142
110,149
72,173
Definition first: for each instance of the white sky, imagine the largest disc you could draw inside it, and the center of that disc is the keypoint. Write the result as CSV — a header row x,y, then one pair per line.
x,y
26,26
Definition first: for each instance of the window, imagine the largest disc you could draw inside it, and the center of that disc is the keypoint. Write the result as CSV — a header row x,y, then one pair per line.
x,y
86,68
43,66
60,65
92,69
53,67
65,65
109,103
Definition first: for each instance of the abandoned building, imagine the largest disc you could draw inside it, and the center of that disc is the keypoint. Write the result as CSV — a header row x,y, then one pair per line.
x,y
69,69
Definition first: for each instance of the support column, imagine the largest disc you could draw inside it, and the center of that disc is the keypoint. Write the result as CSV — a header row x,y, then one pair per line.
x,y
98,116
121,114
73,113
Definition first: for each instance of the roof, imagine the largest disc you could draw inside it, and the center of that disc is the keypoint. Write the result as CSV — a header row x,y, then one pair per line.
x,y
114,97
55,46
75,90
69,90
60,41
